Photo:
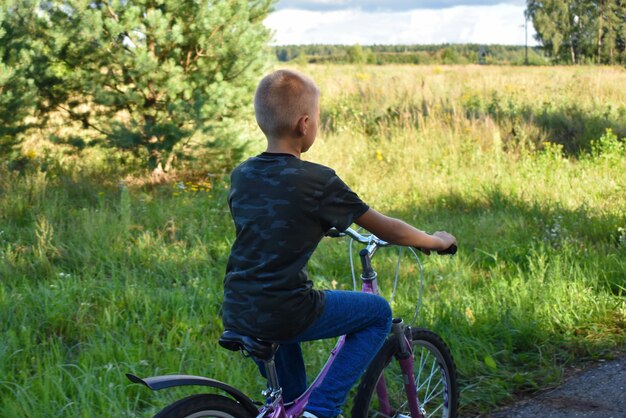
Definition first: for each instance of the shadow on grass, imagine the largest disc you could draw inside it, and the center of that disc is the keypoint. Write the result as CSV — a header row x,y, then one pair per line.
x,y
572,126
494,227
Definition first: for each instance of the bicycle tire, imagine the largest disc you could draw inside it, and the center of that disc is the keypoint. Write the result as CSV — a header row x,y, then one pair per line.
x,y
431,358
204,405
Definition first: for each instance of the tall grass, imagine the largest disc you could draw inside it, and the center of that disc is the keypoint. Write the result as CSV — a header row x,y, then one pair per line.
x,y
100,277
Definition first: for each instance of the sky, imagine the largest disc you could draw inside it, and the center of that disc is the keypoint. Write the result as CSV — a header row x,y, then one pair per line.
x,y
367,22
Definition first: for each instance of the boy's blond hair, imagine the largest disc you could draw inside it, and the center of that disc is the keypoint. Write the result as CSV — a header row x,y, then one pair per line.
x,y
281,99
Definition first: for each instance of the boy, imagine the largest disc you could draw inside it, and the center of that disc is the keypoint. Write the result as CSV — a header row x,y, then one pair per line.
x,y
281,207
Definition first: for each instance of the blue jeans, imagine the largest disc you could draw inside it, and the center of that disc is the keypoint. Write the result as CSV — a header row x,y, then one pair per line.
x,y
365,319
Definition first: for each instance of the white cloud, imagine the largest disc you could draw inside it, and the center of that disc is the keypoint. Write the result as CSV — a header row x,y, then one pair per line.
x,y
386,5
498,24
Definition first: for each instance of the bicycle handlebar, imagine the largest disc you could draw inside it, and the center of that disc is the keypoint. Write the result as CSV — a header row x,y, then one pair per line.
x,y
335,233
373,239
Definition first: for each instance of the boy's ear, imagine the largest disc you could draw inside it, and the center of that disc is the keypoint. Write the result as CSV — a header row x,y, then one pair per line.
x,y
303,125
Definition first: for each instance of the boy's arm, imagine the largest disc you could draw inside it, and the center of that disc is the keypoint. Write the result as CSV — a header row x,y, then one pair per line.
x,y
399,232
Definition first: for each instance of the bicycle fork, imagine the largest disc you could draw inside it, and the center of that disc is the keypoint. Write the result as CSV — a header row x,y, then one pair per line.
x,y
404,356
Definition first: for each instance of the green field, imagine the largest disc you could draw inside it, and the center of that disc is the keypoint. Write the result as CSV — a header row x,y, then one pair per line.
x,y
103,273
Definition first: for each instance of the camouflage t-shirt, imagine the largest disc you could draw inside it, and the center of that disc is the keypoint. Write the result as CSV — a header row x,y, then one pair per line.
x,y
281,206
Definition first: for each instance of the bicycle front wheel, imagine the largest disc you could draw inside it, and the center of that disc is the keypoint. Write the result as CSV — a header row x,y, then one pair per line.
x,y
435,379
198,406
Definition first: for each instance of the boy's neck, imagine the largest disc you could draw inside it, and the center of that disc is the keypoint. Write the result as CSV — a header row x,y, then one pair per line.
x,y
284,147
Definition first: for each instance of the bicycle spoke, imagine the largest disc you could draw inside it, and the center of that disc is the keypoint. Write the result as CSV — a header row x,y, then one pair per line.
x,y
433,371
434,388
404,407
433,412
432,397
421,367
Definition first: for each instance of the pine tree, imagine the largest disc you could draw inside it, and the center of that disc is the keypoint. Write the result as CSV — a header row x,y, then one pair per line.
x,y
16,91
146,75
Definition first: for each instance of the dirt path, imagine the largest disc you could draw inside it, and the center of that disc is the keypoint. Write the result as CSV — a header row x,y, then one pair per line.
x,y
598,392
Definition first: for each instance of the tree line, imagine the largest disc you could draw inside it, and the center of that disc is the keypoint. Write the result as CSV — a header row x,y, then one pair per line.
x,y
411,54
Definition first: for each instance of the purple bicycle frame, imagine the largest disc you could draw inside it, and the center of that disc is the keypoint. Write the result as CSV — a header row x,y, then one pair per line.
x,y
279,410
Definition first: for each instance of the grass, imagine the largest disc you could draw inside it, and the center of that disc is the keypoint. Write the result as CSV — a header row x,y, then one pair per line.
x,y
100,277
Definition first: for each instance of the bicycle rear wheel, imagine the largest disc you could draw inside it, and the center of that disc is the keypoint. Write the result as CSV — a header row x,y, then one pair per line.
x,y
435,379
198,406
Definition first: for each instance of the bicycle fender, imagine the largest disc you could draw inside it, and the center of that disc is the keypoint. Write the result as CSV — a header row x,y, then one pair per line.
x,y
173,380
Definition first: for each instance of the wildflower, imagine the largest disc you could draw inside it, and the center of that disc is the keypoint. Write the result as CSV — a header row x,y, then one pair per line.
x,y
205,186
469,314
379,155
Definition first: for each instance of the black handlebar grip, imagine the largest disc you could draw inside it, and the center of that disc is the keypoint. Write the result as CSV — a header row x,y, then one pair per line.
x,y
449,251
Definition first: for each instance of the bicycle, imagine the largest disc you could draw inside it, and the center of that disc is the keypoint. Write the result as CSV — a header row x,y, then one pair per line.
x,y
421,383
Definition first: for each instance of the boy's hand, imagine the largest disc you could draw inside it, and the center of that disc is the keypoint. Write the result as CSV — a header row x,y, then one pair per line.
x,y
447,240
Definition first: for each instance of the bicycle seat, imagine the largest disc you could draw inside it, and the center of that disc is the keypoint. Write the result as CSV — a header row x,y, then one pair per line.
x,y
263,350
